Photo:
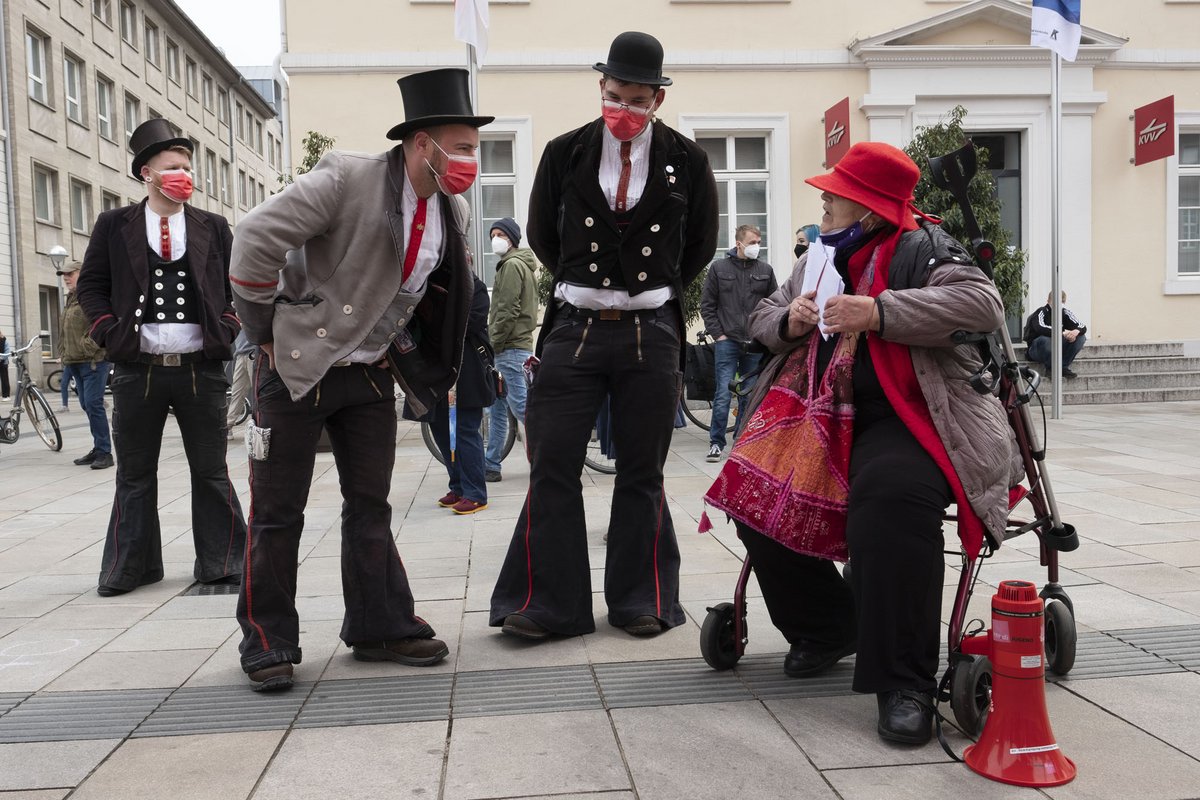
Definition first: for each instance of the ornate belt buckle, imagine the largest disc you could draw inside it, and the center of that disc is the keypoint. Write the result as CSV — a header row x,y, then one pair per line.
x,y
610,313
171,360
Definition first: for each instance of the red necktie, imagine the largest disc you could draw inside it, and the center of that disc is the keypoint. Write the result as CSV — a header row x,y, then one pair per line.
x,y
165,227
414,240
623,183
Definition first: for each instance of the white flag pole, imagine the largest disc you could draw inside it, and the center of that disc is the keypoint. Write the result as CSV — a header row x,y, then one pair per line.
x,y
1056,339
477,236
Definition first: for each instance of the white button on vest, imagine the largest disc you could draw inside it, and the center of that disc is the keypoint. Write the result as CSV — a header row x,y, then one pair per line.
x,y
137,312
593,267
179,286
158,300
655,228
347,309
179,315
646,251
322,333
158,272
595,247
606,281
142,299
295,354
641,276
179,300
158,286
589,221
670,169
135,328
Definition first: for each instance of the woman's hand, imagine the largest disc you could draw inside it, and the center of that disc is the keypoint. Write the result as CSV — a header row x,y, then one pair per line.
x,y
802,314
850,313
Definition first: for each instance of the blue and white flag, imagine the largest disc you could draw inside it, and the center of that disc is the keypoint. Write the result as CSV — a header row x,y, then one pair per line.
x,y
1056,26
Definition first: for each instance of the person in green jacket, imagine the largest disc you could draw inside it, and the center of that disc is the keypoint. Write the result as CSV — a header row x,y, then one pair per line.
x,y
510,327
87,361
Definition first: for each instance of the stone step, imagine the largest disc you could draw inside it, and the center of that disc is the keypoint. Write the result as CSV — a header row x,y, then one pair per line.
x,y
1130,381
1118,366
1132,396
1119,350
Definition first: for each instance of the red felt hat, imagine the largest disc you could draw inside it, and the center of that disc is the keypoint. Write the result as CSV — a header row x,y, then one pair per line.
x,y
878,176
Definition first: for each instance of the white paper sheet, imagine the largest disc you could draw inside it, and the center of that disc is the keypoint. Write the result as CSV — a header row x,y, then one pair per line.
x,y
821,275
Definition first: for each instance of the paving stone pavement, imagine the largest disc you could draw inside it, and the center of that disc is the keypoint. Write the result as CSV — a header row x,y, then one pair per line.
x,y
141,695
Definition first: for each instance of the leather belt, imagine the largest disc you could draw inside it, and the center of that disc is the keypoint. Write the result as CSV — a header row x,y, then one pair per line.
x,y
606,314
171,359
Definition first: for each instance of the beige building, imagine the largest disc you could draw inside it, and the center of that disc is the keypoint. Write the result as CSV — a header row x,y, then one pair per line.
x,y
753,78
81,76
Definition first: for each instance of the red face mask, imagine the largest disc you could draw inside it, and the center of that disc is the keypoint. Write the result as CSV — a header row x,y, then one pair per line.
x,y
460,172
624,122
176,184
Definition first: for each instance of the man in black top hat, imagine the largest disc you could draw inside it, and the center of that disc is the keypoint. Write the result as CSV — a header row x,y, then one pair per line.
x,y
359,266
624,213
155,286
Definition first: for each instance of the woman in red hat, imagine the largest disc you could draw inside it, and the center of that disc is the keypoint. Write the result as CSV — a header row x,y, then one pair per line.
x,y
862,431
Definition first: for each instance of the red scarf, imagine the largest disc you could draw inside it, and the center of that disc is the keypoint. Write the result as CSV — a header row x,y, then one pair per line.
x,y
893,365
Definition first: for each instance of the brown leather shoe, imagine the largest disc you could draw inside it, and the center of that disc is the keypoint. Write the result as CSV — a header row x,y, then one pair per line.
x,y
272,678
645,625
413,652
448,500
522,626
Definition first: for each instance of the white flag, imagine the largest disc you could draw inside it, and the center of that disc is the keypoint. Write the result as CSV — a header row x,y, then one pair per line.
x,y
1056,26
471,24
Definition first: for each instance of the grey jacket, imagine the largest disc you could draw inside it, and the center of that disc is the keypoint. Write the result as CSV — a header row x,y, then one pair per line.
x,y
732,289
972,426
317,267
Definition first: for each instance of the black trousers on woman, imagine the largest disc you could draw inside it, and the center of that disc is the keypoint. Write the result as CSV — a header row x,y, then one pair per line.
x,y
894,528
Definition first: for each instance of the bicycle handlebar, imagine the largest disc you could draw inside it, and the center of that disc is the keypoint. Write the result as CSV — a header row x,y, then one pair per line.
x,y
27,347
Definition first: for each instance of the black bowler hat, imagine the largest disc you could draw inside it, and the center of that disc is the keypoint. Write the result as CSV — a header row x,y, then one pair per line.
x,y
635,57
151,138
436,97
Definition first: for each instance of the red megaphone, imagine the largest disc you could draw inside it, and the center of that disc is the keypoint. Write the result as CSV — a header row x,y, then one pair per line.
x,y
1017,745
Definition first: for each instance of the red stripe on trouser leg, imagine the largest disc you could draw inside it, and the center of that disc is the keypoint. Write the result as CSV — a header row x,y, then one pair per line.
x,y
657,533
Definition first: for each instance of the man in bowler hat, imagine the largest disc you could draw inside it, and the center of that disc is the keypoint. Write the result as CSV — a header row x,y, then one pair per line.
x,y
155,287
356,274
624,214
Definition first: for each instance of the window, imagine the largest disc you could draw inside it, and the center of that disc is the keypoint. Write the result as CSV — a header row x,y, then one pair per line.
x,y
739,164
262,192
498,187
36,47
270,149
207,86
249,135
48,306
173,61
109,201
104,104
45,194
258,137
225,183
210,173
240,120
191,78
242,188
222,106
1189,204
129,24
133,113
73,87
102,10
197,173
151,40
81,207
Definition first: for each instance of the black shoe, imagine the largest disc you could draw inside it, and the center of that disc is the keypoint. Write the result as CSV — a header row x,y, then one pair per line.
x,y
87,459
492,476
806,659
102,461
522,626
905,716
645,625
272,678
111,591
1069,373
413,652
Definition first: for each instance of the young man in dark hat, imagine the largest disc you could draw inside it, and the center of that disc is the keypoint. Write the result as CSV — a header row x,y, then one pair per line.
x,y
155,285
624,213
355,274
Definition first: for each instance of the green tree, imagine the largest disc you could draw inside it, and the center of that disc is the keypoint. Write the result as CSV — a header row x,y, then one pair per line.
x,y
945,137
314,146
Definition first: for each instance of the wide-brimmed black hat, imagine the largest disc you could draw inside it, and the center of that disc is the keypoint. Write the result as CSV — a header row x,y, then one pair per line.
x,y
151,138
635,57
436,97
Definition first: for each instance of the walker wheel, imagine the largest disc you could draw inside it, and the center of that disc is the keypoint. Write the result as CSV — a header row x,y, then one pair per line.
x,y
1061,638
717,643
971,693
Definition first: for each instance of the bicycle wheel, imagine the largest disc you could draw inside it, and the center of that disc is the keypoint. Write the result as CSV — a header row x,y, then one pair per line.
x,y
509,439
43,419
700,413
596,459
54,381
246,412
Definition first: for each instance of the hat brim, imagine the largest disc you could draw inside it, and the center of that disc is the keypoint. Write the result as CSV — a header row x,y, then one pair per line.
x,y
622,74
398,132
150,152
888,208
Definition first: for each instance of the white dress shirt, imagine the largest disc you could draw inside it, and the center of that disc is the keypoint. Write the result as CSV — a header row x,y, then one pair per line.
x,y
169,337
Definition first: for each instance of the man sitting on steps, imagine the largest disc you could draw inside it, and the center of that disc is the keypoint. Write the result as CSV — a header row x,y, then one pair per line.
x,y
1037,336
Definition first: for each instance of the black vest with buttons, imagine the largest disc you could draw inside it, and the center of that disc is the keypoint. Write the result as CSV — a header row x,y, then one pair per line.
x,y
172,295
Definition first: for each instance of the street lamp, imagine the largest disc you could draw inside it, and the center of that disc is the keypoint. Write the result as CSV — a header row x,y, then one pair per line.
x,y
58,256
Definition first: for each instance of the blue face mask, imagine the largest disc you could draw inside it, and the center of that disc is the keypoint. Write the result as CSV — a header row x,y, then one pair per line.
x,y
845,237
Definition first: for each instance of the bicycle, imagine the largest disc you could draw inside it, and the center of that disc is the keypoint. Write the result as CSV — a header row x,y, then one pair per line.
x,y
28,399
699,411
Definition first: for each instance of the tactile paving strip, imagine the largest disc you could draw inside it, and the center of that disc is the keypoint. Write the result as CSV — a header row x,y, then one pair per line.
x,y
663,683
764,675
9,701
1100,655
222,709
1179,644
376,701
63,716
525,691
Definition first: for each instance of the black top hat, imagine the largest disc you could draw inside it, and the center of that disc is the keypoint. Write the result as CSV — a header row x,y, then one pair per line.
x,y
436,97
635,57
151,138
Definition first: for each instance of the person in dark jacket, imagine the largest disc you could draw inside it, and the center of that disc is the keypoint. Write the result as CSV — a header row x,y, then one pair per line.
x,y
1038,330
732,289
155,285
89,366
472,395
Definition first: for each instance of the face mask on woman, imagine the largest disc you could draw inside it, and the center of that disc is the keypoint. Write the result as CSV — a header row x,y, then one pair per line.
x,y
624,121
460,172
500,245
800,249
844,237
175,184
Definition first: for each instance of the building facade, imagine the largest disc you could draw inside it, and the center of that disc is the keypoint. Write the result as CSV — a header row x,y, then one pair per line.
x,y
82,75
753,79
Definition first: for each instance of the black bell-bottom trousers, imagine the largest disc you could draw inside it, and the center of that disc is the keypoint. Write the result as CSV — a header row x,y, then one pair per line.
x,y
546,574
142,394
894,529
356,405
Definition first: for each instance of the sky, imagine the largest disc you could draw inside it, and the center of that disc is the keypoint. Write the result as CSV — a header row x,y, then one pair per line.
x,y
247,30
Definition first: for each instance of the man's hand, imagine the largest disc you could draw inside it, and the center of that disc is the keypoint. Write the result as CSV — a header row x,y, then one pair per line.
x,y
849,313
802,314
1070,336
722,338
269,351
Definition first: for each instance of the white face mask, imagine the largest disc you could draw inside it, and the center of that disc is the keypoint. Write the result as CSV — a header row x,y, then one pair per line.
x,y
500,246
751,251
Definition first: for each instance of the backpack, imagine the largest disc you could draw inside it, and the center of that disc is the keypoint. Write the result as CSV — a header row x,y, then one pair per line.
x,y
699,372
